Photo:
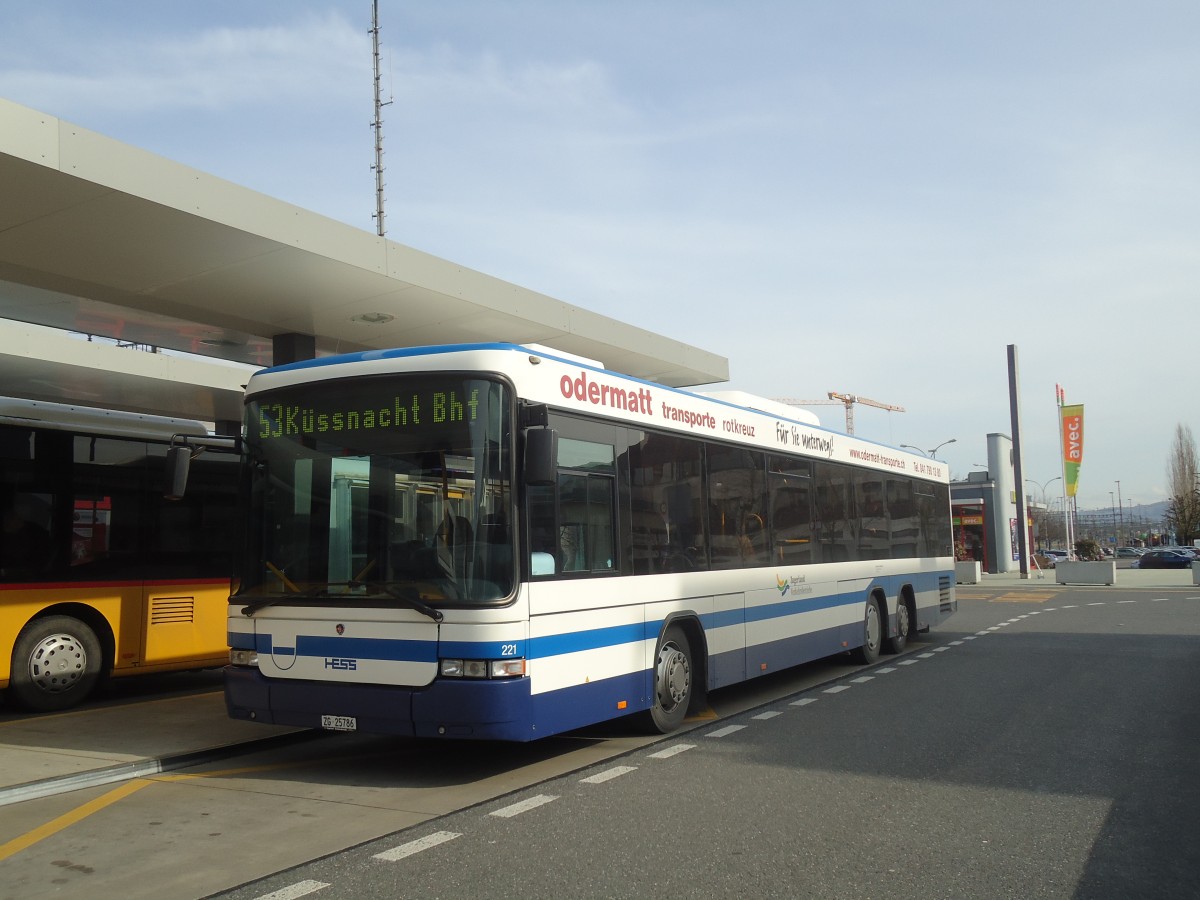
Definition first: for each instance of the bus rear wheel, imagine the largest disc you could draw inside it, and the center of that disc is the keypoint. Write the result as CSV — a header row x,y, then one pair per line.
x,y
899,640
56,663
672,681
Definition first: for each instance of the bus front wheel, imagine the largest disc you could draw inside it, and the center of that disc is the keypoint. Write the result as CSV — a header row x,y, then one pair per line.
x,y
672,681
868,653
56,663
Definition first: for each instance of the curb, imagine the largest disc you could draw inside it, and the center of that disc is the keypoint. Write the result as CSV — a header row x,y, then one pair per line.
x,y
62,784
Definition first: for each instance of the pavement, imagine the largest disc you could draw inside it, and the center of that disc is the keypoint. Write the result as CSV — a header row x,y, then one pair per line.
x,y
49,754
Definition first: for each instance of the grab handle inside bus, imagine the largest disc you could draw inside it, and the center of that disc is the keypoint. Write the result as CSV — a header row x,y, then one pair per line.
x,y
541,456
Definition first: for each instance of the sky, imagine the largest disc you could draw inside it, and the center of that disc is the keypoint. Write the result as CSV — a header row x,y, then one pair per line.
x,y
871,198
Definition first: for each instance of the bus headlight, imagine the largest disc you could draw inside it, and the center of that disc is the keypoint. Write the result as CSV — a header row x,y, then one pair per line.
x,y
243,657
482,668
507,668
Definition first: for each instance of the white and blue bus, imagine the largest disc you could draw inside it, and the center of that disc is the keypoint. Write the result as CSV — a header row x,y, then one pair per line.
x,y
496,541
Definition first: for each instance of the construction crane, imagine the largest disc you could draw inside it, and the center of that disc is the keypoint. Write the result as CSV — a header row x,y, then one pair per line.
x,y
847,400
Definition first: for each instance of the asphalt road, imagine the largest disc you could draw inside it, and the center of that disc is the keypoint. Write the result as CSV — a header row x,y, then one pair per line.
x,y
1042,748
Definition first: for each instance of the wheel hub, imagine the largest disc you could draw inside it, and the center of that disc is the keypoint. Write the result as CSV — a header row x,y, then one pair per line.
x,y
874,628
57,663
674,677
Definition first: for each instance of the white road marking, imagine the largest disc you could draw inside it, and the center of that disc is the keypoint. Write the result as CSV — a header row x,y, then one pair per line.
x,y
608,775
727,730
425,843
672,751
524,806
770,714
863,679
804,701
299,889
836,689
909,662
885,670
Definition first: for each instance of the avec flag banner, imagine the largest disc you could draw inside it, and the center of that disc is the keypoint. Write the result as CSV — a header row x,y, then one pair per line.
x,y
1072,442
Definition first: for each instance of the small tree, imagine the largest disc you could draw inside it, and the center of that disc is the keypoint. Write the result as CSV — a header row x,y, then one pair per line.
x,y
1183,481
1086,548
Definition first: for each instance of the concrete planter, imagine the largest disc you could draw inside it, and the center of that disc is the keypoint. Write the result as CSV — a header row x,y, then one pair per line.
x,y
1085,573
968,572
1196,571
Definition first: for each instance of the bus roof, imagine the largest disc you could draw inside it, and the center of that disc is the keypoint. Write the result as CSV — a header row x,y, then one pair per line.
x,y
541,376
65,417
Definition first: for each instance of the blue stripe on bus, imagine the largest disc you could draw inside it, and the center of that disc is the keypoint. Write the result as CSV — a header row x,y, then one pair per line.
x,y
535,648
539,647
481,649
393,353
367,648
801,605
592,639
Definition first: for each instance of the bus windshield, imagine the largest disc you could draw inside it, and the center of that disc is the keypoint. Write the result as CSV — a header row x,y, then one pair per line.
x,y
388,490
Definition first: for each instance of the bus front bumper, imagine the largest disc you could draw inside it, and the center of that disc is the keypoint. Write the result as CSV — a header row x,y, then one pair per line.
x,y
482,709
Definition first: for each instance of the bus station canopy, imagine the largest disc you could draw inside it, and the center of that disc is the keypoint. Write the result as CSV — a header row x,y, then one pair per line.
x,y
101,238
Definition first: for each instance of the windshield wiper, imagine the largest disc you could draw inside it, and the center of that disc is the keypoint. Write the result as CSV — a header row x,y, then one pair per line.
x,y
410,596
407,596
310,594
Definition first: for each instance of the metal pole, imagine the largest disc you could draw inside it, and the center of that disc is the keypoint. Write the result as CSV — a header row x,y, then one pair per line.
x,y
1062,465
1014,406
1120,511
380,229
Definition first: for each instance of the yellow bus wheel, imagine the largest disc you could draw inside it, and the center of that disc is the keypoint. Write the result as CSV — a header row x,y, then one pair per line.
x,y
56,663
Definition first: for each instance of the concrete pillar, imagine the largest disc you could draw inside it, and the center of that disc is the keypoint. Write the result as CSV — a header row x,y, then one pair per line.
x,y
1004,506
292,347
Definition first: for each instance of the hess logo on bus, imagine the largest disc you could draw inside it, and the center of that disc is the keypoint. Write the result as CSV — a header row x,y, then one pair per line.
x,y
337,662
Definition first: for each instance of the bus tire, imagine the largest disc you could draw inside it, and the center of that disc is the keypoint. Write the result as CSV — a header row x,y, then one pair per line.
x,y
897,642
873,632
56,663
673,679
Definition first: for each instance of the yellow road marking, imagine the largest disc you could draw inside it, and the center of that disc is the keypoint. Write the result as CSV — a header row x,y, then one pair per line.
x,y
1024,597
27,840
16,845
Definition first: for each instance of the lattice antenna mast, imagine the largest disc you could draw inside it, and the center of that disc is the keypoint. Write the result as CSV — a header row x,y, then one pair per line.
x,y
380,227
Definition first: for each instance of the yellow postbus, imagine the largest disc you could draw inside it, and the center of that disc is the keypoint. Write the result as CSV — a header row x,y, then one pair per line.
x,y
100,576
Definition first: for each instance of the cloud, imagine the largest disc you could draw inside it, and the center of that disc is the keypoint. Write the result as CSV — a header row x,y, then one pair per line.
x,y
215,68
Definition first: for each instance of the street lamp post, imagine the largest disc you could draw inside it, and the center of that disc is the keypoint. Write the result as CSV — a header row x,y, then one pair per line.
x,y
1120,513
930,453
1042,485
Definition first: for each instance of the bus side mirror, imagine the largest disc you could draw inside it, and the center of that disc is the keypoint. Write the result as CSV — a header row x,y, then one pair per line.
x,y
541,456
179,460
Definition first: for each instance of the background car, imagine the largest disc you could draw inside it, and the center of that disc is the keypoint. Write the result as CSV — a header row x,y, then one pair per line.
x,y
1129,552
1163,559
